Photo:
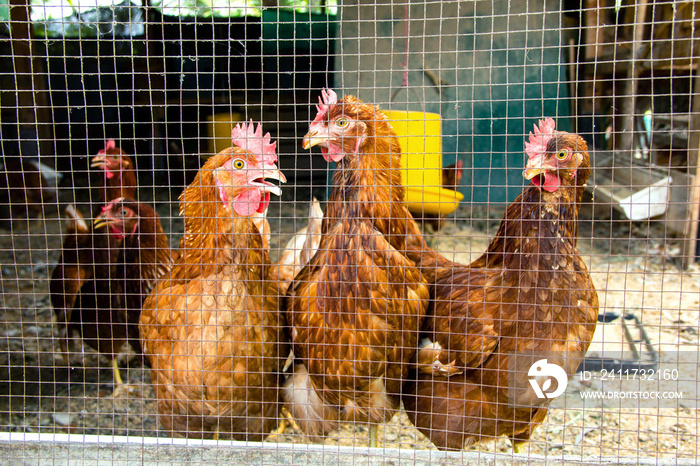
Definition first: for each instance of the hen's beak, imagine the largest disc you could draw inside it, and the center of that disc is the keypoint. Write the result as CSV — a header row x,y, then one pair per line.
x,y
100,222
269,174
272,189
313,138
98,161
534,167
530,173
274,174
309,142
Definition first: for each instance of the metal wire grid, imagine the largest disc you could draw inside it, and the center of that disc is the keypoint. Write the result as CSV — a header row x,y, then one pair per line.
x,y
152,77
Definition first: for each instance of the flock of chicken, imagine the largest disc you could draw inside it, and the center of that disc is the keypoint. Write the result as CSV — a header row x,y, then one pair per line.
x,y
358,314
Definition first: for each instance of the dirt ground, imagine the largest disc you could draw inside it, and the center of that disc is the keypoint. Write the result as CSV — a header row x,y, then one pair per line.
x,y
634,267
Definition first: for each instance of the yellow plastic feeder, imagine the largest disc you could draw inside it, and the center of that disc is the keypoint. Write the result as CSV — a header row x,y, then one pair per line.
x,y
219,127
420,137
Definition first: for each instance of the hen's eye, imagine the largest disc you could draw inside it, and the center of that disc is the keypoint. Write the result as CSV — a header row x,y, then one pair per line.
x,y
342,122
123,213
238,164
562,154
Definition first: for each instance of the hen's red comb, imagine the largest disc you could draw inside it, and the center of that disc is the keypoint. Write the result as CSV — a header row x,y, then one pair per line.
x,y
110,145
111,203
253,141
538,141
329,97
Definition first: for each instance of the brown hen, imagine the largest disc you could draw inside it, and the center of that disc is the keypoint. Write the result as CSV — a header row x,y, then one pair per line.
x,y
356,309
144,257
78,262
27,187
212,329
118,173
83,279
528,297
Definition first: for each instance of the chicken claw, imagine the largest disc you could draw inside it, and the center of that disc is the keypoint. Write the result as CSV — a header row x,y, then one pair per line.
x,y
519,446
428,360
283,425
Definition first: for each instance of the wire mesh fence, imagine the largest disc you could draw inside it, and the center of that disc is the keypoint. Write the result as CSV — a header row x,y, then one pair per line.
x,y
311,231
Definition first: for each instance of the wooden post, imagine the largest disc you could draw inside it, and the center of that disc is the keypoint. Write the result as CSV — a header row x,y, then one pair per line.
x,y
34,115
594,30
154,58
691,235
152,87
629,99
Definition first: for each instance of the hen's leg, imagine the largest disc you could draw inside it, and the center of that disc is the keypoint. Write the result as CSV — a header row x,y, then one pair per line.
x,y
519,446
520,439
373,435
120,388
283,424
117,375
281,428
64,341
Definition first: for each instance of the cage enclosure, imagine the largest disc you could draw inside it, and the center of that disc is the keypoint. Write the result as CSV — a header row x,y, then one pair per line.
x,y
409,232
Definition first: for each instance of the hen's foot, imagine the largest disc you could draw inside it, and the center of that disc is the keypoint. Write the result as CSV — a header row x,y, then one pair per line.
x,y
283,425
373,436
428,360
123,390
519,446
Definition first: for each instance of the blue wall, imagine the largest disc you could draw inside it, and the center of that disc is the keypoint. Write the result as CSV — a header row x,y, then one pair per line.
x,y
504,67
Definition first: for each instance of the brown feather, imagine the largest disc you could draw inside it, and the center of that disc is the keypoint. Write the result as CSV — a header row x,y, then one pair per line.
x,y
83,280
356,308
212,328
530,291
144,256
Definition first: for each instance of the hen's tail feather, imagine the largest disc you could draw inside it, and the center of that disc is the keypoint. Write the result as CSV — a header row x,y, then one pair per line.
x,y
299,249
314,417
50,176
74,220
313,233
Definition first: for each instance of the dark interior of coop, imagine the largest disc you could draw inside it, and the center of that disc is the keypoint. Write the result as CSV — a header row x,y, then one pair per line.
x,y
151,81
154,92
